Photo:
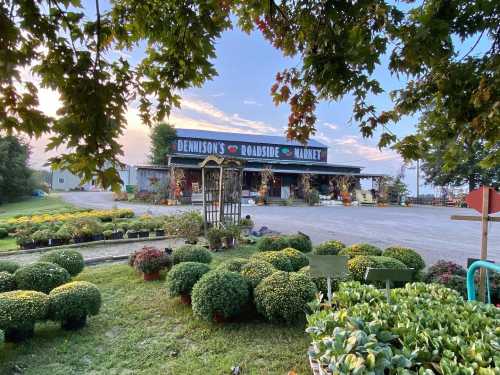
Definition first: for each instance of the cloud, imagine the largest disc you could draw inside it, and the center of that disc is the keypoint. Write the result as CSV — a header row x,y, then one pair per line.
x,y
331,125
251,102
351,144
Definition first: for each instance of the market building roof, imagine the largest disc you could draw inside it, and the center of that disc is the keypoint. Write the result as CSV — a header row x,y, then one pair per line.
x,y
240,137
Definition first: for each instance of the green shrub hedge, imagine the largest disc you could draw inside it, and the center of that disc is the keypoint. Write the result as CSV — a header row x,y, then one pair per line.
x,y
331,247
272,243
283,296
191,253
255,271
358,265
428,329
277,258
182,277
8,266
360,249
41,276
297,259
71,260
410,257
71,303
7,282
233,264
4,233
219,294
19,310
298,241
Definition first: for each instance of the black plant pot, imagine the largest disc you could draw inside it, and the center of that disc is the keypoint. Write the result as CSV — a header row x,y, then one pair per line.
x,y
42,243
98,237
117,236
19,334
143,234
160,232
56,242
28,245
133,235
74,324
79,239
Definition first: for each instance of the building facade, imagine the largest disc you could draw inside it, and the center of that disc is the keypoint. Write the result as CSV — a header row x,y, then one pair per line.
x,y
288,161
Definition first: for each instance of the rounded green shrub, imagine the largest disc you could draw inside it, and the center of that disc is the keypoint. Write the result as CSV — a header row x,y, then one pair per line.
x,y
360,249
191,253
182,277
358,265
387,262
297,259
71,303
3,233
71,260
300,242
219,294
331,247
234,264
41,276
277,258
8,266
7,282
410,257
19,310
255,271
272,243
284,296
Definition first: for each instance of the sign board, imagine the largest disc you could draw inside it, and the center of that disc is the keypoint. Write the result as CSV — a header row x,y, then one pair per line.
x,y
384,274
328,265
248,150
475,200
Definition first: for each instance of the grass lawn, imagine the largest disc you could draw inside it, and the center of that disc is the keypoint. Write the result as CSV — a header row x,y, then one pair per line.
x,y
141,330
33,205
30,206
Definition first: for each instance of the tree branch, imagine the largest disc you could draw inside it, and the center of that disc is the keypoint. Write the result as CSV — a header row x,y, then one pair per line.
x,y
474,46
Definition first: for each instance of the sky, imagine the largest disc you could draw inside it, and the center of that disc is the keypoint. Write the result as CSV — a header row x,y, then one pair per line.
x,y
238,100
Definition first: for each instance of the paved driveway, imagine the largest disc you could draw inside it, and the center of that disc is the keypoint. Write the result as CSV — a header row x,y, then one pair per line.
x,y
426,229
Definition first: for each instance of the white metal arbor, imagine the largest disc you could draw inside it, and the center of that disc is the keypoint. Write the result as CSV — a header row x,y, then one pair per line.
x,y
222,180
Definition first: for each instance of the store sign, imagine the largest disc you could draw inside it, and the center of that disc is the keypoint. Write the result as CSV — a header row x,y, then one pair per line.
x,y
245,150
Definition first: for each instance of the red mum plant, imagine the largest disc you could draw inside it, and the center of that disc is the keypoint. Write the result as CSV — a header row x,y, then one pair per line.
x,y
150,261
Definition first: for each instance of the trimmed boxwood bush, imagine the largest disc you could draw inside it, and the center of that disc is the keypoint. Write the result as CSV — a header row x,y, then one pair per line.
x,y
297,259
8,266
19,310
331,247
234,264
41,276
191,253
277,258
71,260
272,243
256,270
71,303
182,277
386,262
360,249
3,233
7,282
219,294
358,265
300,242
410,257
283,296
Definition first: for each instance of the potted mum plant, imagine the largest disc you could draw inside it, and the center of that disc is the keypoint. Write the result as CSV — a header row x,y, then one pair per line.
x,y
246,225
150,261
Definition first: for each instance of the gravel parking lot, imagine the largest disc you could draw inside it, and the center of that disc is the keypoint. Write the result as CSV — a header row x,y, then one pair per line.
x,y
426,229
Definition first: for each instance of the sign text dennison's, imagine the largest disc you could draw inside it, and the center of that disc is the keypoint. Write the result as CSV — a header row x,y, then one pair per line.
x,y
249,150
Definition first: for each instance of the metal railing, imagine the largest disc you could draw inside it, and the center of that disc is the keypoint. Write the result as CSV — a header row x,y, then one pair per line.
x,y
471,288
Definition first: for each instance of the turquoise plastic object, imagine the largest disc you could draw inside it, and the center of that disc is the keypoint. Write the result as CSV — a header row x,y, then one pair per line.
x,y
471,288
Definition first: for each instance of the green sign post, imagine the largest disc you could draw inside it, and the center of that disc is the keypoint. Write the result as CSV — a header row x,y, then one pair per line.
x,y
328,266
388,275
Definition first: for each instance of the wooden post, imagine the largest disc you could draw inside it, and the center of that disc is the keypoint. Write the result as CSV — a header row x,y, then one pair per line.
x,y
484,243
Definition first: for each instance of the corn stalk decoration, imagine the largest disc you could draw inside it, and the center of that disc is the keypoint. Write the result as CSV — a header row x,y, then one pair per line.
x,y
266,176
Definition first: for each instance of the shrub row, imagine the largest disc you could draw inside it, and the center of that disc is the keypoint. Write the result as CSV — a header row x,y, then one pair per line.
x,y
428,328
69,304
298,241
